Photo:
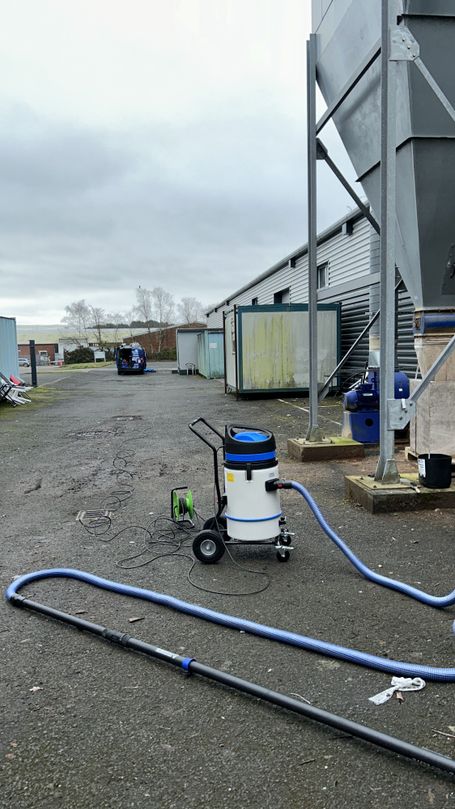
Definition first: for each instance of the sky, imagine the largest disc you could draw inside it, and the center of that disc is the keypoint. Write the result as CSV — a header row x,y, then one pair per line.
x,y
153,143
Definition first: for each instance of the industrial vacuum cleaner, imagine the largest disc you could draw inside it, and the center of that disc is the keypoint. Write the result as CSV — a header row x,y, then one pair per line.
x,y
249,512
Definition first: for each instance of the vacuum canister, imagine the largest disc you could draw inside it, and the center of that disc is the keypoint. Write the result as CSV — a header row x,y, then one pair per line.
x,y
252,513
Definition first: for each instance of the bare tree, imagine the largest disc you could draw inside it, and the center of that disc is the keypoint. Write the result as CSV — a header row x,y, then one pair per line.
x,y
97,320
164,307
117,321
144,306
77,318
190,310
130,314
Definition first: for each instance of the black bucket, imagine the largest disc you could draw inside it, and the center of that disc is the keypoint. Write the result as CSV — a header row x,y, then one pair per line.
x,y
435,470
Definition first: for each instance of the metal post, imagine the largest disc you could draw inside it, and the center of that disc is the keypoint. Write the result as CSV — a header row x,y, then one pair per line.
x,y
33,363
386,470
314,432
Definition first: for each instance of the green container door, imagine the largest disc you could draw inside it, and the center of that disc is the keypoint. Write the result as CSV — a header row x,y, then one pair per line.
x,y
211,354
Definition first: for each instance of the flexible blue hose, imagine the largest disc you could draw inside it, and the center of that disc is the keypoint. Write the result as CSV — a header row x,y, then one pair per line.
x,y
281,635
401,587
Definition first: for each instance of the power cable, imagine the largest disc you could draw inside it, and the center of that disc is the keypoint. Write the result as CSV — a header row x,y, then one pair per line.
x,y
176,536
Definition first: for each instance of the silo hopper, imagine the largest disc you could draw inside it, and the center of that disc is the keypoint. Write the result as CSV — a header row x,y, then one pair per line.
x,y
348,32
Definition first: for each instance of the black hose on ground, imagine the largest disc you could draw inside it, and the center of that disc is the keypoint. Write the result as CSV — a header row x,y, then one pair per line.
x,y
191,666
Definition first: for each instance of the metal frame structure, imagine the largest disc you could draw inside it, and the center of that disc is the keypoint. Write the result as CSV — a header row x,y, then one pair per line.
x,y
396,45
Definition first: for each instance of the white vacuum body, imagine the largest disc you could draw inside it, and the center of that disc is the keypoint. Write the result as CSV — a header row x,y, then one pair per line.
x,y
252,513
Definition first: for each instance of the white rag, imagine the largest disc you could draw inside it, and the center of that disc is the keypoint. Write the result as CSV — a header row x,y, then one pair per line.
x,y
398,684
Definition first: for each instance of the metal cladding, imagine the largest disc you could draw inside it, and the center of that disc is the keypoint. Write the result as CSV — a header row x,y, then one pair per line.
x,y
347,32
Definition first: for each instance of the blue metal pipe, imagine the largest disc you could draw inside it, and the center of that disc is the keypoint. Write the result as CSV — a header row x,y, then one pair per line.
x,y
241,624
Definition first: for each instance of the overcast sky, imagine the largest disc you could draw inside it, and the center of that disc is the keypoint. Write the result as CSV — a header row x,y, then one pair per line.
x,y
152,142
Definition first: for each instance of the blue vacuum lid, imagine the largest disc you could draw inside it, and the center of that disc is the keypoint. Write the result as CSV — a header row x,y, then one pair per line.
x,y
248,441
250,435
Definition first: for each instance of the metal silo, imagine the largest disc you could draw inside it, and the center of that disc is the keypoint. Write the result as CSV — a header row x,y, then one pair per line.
x,y
348,31
348,44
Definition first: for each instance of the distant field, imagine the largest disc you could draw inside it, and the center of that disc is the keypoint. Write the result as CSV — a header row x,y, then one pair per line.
x,y
54,333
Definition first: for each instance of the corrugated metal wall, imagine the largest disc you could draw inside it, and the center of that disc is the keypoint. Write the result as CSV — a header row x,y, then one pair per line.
x,y
406,356
348,257
8,346
351,250
355,316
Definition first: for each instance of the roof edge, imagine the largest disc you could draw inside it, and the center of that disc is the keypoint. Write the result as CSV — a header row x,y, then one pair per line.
x,y
354,216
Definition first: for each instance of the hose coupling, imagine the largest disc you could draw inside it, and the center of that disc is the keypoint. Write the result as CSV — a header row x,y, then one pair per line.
x,y
273,485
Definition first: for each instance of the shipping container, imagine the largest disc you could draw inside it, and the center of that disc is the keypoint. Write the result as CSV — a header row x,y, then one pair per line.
x,y
9,355
210,353
267,347
187,350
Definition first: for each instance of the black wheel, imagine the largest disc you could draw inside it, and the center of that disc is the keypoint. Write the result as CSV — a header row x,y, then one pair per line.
x,y
208,547
218,524
119,371
283,556
285,540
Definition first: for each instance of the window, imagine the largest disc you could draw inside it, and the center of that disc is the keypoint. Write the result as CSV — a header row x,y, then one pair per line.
x,y
254,301
283,296
323,275
347,228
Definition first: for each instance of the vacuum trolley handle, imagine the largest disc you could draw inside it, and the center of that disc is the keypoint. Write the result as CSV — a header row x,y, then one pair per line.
x,y
214,449
203,437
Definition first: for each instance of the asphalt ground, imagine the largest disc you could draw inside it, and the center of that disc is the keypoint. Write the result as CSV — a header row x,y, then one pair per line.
x,y
86,724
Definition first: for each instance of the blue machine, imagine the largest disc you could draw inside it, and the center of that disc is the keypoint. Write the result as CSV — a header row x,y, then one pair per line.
x,y
362,405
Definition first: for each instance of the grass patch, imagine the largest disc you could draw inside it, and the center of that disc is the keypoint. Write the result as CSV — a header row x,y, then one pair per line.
x,y
85,366
41,397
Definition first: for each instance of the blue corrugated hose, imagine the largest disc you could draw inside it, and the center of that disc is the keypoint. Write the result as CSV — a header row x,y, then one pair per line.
x,y
406,589
281,635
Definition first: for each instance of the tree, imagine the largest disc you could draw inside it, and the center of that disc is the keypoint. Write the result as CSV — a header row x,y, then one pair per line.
x,y
97,319
119,320
116,321
130,319
78,317
190,310
144,306
163,307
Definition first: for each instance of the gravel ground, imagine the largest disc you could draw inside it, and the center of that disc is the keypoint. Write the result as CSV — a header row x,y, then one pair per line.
x,y
87,724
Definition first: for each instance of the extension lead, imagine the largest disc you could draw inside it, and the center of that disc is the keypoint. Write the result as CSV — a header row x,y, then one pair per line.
x,y
191,666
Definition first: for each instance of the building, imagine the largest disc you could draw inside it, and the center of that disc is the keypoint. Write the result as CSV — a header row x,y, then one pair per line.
x,y
45,353
151,341
54,340
348,271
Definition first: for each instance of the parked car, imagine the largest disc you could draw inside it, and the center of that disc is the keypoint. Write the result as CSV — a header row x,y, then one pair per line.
x,y
24,362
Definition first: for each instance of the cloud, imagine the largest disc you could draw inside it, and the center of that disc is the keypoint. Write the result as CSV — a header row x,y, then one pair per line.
x,y
171,152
